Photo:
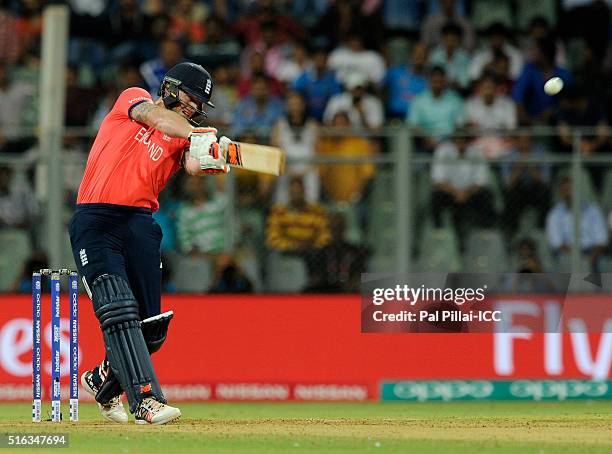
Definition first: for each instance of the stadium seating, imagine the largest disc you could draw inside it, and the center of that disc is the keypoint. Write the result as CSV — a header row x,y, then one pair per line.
x,y
252,270
350,212
544,253
587,188
605,264
439,251
381,223
487,12
15,245
606,192
193,274
527,11
285,273
485,252
67,256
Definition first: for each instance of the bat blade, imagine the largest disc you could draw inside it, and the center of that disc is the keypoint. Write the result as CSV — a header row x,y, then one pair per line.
x,y
257,158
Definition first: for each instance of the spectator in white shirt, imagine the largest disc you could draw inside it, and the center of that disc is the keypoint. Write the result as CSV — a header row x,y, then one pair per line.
x,y
497,42
461,178
352,57
296,134
560,229
15,97
294,66
488,112
364,109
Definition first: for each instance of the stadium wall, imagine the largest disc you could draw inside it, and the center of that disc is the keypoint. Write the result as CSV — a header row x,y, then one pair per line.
x,y
299,347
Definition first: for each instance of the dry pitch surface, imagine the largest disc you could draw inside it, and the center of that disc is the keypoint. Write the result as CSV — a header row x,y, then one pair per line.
x,y
466,427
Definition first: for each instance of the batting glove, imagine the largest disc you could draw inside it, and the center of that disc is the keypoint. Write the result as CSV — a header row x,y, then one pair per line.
x,y
205,148
214,162
201,141
224,144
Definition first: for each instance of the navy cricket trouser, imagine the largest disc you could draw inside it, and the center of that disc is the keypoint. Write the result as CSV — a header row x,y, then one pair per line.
x,y
120,240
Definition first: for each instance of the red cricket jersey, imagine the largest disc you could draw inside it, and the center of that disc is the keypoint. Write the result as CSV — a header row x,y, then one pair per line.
x,y
129,162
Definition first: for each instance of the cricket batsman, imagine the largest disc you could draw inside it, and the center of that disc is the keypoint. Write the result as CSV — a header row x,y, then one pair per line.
x,y
116,241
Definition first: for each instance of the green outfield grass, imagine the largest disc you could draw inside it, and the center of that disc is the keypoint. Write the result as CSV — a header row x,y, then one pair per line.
x,y
466,427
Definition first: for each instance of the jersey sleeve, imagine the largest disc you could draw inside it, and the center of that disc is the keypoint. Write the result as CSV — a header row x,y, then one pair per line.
x,y
129,99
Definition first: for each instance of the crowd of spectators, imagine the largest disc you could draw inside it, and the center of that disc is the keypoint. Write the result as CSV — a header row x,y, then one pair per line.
x,y
462,74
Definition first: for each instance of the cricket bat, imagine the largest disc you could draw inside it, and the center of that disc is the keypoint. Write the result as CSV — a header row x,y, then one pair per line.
x,y
257,158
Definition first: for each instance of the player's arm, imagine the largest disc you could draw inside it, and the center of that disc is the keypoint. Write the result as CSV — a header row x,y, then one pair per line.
x,y
162,119
190,164
193,166
205,155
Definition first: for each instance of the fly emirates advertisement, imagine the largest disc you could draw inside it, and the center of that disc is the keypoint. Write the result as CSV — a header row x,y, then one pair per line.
x,y
275,347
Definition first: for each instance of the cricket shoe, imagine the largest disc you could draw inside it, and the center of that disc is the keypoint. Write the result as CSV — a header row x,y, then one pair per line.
x,y
113,409
151,411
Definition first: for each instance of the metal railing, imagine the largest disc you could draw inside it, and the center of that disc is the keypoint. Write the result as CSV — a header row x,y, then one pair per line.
x,y
399,154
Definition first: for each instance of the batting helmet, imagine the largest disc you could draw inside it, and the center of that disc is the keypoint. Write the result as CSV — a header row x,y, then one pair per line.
x,y
192,79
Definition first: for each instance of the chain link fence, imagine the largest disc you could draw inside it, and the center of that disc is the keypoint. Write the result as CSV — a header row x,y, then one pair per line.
x,y
348,203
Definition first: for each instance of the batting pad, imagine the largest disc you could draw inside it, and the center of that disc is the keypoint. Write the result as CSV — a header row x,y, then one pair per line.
x,y
126,350
154,330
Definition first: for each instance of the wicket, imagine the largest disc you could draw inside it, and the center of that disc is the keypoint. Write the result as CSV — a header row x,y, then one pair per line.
x,y
55,344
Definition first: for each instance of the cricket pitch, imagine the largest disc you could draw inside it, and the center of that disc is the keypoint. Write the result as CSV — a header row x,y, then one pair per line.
x,y
440,427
